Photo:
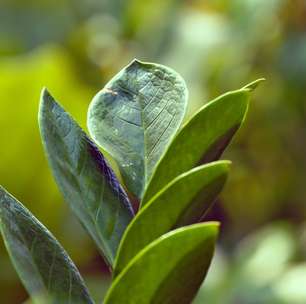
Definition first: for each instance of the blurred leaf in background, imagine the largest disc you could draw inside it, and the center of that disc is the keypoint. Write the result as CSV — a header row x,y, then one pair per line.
x,y
75,47
265,267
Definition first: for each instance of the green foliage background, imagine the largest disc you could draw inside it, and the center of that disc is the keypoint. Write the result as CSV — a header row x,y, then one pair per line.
x,y
74,47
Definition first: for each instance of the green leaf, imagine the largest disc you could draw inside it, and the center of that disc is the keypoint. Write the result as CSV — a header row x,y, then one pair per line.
x,y
87,182
254,84
202,139
135,117
169,270
42,264
183,201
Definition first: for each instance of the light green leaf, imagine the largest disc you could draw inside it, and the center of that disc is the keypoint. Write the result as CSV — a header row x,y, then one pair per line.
x,y
254,84
85,179
202,139
169,270
135,117
42,264
183,201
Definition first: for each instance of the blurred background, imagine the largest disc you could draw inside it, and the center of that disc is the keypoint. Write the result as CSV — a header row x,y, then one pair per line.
x,y
73,47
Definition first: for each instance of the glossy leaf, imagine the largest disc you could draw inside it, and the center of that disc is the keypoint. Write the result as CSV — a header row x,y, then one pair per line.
x,y
135,116
85,179
42,264
169,270
202,139
183,201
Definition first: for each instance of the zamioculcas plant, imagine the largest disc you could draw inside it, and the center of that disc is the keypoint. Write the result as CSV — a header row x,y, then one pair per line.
x,y
161,254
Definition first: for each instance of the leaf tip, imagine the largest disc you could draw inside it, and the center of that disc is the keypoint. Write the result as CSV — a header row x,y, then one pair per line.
x,y
135,60
227,163
45,94
46,101
212,227
3,192
215,225
5,203
254,84
136,63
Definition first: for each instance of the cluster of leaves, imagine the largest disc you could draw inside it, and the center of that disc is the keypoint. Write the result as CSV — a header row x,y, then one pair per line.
x,y
161,254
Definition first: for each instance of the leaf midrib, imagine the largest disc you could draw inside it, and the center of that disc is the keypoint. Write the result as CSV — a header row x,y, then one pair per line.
x,y
143,107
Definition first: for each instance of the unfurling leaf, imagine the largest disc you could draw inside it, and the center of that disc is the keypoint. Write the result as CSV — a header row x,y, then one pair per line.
x,y
183,201
169,270
135,117
43,265
87,182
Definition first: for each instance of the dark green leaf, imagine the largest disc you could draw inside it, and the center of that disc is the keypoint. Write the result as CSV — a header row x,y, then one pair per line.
x,y
169,270
84,177
135,116
183,201
202,139
42,264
